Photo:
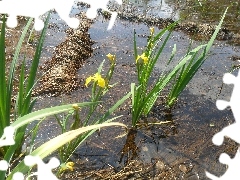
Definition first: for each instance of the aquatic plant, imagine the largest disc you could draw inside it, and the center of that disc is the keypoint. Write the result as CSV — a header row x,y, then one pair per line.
x,y
100,87
55,143
24,102
188,70
23,115
144,98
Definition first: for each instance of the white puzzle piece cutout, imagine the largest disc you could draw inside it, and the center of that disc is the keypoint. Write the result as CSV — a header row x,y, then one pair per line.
x,y
232,172
232,131
7,138
3,165
44,170
36,8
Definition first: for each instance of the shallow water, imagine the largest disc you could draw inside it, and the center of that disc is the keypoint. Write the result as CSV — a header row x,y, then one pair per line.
x,y
192,10
186,141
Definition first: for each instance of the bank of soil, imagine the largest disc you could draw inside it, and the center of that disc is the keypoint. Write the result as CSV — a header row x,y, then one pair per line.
x,y
60,72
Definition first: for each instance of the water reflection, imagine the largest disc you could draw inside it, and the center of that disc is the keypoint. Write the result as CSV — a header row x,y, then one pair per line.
x,y
191,11
154,8
211,11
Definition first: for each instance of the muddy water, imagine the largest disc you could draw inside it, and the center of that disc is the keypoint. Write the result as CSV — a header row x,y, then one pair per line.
x,y
181,149
192,10
209,12
184,142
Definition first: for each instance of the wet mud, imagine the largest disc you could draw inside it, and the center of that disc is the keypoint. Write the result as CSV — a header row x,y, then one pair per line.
x,y
60,72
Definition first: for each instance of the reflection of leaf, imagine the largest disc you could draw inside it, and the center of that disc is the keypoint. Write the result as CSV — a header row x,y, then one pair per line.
x,y
130,148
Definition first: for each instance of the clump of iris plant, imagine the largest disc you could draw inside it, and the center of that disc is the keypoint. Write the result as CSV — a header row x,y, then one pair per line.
x,y
99,84
143,98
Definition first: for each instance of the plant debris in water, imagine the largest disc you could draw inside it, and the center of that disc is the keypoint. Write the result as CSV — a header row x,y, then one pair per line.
x,y
60,73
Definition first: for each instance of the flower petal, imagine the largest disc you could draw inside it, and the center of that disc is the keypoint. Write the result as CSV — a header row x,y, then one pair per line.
x,y
97,76
145,60
143,57
138,57
101,82
88,80
111,57
70,165
151,30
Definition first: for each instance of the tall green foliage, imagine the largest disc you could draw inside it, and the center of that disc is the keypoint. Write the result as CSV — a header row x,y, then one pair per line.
x,y
144,98
24,102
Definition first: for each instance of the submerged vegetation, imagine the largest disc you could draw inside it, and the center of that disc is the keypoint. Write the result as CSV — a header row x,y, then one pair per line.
x,y
76,127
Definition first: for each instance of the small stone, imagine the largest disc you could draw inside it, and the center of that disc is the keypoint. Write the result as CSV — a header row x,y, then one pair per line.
x,y
145,148
186,167
183,168
160,165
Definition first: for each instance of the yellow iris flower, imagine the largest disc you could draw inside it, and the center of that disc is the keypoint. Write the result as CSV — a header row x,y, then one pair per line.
x,y
96,78
67,166
151,31
143,57
70,165
111,57
75,106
